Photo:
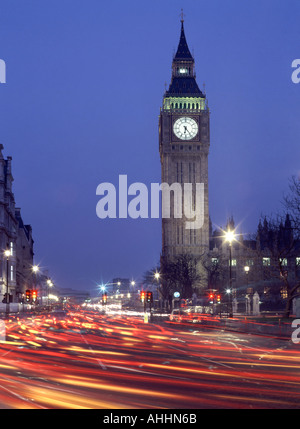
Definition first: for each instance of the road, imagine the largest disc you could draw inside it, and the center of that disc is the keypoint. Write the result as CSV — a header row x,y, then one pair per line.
x,y
116,361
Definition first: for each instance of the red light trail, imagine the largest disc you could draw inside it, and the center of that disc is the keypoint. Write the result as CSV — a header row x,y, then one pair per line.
x,y
89,360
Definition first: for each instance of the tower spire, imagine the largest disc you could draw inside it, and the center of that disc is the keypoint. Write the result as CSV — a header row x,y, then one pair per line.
x,y
182,16
183,52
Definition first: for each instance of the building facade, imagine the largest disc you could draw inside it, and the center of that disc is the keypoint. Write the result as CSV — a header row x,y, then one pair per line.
x,y
184,140
8,228
24,256
16,268
267,263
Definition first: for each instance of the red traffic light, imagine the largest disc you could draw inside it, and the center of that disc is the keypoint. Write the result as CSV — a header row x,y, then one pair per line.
x,y
149,296
34,295
104,298
28,295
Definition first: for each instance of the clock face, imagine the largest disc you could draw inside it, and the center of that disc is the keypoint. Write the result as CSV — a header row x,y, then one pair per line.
x,y
185,128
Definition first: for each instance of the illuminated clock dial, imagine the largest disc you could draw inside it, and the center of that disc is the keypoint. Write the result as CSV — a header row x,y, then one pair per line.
x,y
185,128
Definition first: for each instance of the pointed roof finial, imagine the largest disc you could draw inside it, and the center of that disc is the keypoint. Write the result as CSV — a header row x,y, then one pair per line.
x,y
183,51
182,16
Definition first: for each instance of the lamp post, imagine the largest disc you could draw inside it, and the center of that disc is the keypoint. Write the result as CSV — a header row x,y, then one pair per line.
x,y
7,254
35,270
49,284
246,268
229,237
157,278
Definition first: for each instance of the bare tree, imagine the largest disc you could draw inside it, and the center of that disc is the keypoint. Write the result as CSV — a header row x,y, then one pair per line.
x,y
180,274
216,266
278,246
292,204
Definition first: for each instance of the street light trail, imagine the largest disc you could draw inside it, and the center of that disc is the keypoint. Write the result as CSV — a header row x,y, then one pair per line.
x,y
89,360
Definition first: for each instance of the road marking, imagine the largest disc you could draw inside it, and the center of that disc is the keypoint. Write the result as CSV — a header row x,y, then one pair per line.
x,y
98,360
22,398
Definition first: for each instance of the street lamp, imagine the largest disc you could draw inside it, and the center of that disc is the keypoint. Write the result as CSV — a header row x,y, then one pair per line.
x,y
49,284
103,286
229,237
35,270
7,254
157,276
246,268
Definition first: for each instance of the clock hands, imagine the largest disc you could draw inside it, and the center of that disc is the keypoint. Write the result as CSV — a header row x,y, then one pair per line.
x,y
186,130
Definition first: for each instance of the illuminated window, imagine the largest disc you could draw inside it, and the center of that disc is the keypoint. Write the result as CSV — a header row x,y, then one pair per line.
x,y
183,71
11,273
214,261
283,292
266,262
12,248
283,262
233,262
298,262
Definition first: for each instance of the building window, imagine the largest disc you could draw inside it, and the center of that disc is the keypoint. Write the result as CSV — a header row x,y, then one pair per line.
x,y
214,261
12,248
283,292
298,262
283,262
266,262
11,273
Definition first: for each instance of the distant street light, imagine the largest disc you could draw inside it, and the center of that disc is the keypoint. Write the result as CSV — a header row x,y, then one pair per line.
x,y
246,268
35,270
7,254
49,284
229,237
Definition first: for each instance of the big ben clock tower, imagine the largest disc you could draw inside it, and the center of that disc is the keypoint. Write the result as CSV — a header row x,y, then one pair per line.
x,y
184,146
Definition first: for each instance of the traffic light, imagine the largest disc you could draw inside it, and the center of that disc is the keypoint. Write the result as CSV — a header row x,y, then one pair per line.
x,y
218,299
104,298
28,295
143,296
34,295
211,297
149,297
7,298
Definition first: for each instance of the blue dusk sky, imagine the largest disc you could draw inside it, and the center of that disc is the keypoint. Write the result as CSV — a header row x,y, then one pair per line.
x,y
80,106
